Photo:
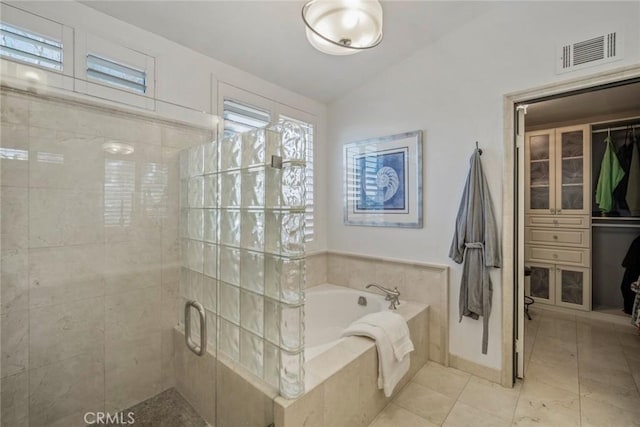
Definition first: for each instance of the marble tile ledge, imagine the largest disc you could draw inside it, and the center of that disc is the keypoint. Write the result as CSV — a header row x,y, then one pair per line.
x,y
422,264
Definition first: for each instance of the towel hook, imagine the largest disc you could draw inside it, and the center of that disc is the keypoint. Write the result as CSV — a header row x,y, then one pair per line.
x,y
479,149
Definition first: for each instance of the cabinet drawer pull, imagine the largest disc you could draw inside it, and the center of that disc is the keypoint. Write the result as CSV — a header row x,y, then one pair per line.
x,y
555,256
555,237
555,222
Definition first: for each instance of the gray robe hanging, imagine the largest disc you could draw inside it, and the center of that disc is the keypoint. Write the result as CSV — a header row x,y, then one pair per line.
x,y
475,242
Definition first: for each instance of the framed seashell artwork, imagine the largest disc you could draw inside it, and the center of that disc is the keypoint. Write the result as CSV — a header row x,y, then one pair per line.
x,y
383,181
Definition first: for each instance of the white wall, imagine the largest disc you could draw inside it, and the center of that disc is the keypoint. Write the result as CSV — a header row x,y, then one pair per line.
x,y
453,90
187,78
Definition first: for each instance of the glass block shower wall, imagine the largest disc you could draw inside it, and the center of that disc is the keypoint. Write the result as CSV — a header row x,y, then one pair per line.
x,y
242,227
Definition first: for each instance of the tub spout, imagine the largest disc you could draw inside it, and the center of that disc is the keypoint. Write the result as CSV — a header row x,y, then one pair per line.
x,y
391,295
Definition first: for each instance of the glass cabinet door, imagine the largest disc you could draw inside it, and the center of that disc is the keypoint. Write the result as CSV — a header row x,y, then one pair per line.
x,y
573,287
572,195
539,174
541,285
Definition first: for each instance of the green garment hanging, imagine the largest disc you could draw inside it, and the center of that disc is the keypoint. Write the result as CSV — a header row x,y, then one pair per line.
x,y
611,173
633,188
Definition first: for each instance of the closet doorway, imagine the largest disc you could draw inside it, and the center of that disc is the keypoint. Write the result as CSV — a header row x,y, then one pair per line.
x,y
579,159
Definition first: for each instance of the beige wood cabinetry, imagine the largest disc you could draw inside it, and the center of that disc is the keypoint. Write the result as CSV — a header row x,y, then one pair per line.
x,y
557,216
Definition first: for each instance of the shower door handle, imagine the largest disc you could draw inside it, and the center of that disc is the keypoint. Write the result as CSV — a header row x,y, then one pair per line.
x,y
197,349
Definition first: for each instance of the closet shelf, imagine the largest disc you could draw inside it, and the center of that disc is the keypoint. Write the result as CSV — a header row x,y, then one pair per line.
x,y
616,218
616,225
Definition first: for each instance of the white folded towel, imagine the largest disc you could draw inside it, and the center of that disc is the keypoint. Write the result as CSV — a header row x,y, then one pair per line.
x,y
391,333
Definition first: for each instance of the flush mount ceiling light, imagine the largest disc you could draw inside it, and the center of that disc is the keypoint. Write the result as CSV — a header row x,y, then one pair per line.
x,y
113,147
32,76
343,27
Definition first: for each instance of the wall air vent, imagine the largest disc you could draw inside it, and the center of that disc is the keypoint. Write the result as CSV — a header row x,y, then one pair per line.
x,y
592,51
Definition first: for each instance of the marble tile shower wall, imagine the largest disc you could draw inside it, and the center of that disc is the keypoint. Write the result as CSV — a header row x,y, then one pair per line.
x,y
243,250
90,258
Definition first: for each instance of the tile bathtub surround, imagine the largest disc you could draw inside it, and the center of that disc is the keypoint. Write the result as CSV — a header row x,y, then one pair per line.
x,y
424,283
316,268
579,372
90,258
341,383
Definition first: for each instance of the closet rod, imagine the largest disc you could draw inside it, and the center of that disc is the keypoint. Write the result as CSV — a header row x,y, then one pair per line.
x,y
616,225
616,128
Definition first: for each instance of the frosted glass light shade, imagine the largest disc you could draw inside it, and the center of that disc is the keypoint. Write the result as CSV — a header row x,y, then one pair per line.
x,y
343,27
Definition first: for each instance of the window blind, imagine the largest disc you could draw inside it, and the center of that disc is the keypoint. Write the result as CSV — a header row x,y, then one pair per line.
x,y
115,74
26,46
240,118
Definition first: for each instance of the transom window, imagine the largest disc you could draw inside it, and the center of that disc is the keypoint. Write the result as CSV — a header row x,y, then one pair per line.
x,y
31,48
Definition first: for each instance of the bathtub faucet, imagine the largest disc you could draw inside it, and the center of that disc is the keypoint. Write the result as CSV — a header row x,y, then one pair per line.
x,y
392,295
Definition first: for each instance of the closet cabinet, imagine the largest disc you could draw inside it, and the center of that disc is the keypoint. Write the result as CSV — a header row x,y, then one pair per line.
x,y
557,216
557,170
560,285
541,285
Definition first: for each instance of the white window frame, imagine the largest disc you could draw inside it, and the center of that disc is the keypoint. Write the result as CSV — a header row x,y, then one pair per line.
x,y
275,110
86,43
31,74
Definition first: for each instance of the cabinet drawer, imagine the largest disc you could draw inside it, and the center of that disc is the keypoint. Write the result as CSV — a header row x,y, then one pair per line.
x,y
558,255
579,238
557,221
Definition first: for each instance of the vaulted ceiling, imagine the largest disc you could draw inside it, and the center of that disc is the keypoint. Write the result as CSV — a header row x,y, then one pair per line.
x,y
267,38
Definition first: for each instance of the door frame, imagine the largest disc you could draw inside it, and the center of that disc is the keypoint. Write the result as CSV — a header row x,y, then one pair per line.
x,y
511,187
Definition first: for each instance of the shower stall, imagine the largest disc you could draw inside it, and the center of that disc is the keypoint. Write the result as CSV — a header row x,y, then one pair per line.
x,y
242,236
114,224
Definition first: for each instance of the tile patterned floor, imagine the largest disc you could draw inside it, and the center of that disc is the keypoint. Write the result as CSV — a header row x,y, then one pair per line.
x,y
167,409
579,372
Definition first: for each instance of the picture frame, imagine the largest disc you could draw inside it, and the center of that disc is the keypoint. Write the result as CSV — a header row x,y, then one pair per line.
x,y
383,181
